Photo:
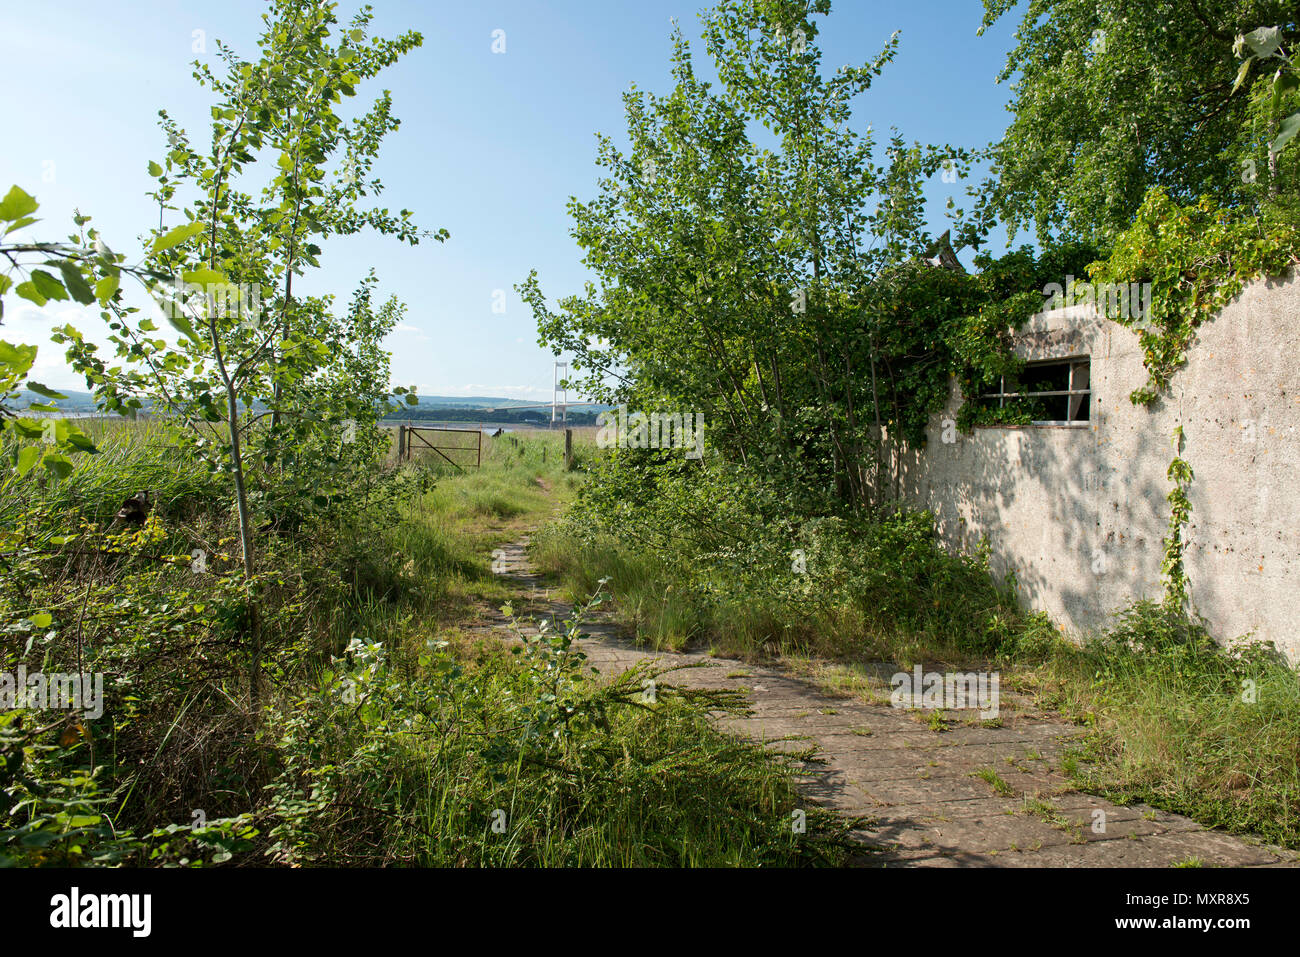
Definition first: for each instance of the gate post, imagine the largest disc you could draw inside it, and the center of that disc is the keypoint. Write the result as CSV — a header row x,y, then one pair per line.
x,y
568,449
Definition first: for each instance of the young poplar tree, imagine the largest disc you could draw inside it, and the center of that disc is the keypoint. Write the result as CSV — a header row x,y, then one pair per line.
x,y
247,380
736,241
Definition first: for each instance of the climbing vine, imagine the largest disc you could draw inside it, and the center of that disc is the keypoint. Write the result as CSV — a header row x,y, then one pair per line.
x,y
1197,258
1180,510
932,323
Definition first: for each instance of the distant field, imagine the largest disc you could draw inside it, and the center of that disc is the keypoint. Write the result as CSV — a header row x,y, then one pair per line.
x,y
459,442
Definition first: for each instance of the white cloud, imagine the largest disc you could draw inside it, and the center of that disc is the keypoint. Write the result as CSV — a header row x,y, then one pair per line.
x,y
415,331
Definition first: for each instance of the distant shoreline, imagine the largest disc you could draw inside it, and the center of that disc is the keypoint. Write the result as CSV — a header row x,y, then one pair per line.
x,y
472,425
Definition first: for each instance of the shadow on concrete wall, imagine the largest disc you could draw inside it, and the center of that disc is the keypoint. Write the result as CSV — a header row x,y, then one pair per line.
x,y
1075,528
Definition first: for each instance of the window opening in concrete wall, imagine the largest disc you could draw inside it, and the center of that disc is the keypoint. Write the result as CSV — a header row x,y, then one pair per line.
x,y
1050,392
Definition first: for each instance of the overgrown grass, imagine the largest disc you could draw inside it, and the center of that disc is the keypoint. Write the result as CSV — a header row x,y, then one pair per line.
x,y
1172,719
651,595
133,457
629,784
384,736
489,773
451,531
866,591
1182,724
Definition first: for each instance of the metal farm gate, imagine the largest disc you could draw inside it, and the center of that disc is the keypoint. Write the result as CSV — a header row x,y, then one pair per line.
x,y
419,438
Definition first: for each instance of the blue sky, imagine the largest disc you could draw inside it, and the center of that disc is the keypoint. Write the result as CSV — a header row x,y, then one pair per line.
x,y
491,145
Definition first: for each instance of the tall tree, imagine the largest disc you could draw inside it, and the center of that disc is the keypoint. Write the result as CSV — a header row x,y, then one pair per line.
x,y
734,263
246,337
1112,98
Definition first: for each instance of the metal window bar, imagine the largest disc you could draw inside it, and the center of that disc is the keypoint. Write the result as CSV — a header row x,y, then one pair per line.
x,y
1034,395
1078,369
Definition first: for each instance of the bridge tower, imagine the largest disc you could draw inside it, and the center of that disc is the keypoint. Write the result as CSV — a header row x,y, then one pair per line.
x,y
560,393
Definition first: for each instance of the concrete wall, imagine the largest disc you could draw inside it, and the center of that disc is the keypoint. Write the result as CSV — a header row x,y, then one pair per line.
x,y
1080,513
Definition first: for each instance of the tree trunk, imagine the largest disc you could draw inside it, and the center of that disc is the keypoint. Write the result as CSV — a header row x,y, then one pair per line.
x,y
245,522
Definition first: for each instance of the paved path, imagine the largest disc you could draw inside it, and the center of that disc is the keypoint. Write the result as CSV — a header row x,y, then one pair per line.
x,y
972,795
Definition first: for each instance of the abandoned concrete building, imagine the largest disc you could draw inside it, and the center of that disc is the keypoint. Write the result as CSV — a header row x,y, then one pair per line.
x,y
1076,504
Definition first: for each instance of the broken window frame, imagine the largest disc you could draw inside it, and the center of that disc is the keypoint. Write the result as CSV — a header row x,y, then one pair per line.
x,y
1080,397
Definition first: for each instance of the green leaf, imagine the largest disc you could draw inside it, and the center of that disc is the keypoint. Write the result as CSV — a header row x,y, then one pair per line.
x,y
42,619
205,277
19,224
27,428
80,441
48,286
1290,126
177,236
1242,73
27,457
105,288
58,463
1264,41
182,325
28,291
16,205
76,283
18,358
45,391
38,839
155,169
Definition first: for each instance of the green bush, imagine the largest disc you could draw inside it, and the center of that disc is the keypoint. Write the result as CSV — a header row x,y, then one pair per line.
x,y
526,760
703,552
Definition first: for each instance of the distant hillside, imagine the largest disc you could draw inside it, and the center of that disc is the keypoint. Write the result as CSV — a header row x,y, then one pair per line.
x,y
83,402
75,401
495,417
470,402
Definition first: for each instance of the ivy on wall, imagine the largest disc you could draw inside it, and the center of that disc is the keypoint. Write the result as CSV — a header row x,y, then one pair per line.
x,y
1197,258
934,323
1180,511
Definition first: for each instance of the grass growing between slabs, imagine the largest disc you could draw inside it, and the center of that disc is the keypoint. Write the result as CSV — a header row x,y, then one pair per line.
x,y
1180,723
1167,716
521,760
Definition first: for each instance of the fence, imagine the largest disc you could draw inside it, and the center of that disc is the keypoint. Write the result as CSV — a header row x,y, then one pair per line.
x,y
413,438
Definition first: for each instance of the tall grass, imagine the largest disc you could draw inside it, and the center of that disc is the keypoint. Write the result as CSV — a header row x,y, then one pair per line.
x,y
133,457
1182,723
387,735
861,589
612,782
1172,718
